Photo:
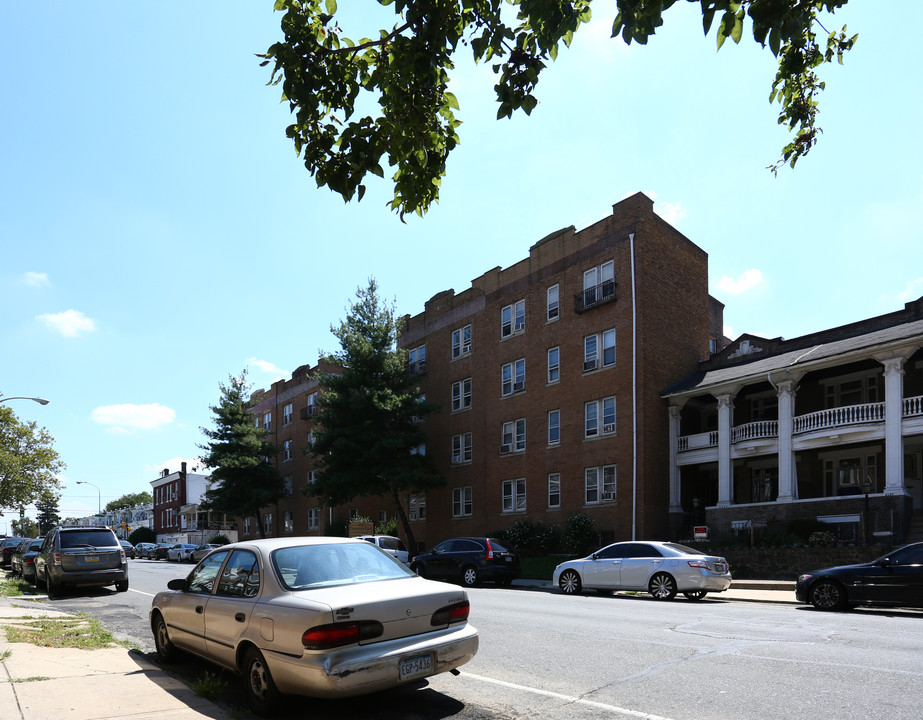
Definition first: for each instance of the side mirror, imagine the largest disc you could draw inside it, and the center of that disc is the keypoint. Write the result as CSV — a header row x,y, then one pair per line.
x,y
885,562
177,584
596,556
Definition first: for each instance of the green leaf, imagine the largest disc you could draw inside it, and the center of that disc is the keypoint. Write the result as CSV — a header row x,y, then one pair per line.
x,y
331,6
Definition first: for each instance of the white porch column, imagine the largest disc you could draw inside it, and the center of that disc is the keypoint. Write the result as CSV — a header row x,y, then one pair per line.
x,y
894,442
725,469
676,504
788,488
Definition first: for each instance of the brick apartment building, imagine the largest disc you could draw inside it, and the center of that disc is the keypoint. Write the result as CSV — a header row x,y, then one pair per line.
x,y
549,376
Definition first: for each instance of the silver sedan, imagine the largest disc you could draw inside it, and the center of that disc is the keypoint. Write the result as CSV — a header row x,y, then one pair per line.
x,y
661,568
320,616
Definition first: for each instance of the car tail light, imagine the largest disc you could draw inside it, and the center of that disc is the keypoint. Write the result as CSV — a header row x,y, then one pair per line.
x,y
29,561
455,613
698,564
56,558
334,635
490,551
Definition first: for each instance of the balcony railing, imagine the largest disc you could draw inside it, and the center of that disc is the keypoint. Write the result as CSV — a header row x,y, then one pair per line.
x,y
913,406
755,430
701,440
594,296
840,417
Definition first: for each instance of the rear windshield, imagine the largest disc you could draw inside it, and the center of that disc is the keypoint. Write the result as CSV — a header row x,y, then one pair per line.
x,y
684,549
305,567
88,538
392,543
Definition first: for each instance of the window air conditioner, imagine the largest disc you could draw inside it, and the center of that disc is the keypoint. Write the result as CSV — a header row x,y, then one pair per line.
x,y
609,428
456,458
506,448
589,365
608,496
519,386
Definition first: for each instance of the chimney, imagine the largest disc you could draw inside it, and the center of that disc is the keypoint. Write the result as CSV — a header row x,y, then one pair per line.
x,y
182,471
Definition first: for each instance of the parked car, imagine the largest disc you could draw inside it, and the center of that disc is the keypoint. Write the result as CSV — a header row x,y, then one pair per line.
x,y
129,548
141,548
662,569
6,549
159,552
28,560
894,580
201,551
81,557
16,557
345,619
469,560
180,552
394,546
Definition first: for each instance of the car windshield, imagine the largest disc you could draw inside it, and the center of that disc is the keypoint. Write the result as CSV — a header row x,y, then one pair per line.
x,y
87,538
304,567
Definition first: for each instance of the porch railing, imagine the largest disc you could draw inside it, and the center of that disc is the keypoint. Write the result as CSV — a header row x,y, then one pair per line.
x,y
755,430
913,406
840,417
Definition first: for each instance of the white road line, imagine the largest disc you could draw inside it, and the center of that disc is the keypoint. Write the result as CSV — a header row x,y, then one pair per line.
x,y
141,592
566,698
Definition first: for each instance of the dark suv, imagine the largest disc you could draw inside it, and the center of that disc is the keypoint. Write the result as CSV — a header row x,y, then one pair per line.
x,y
81,557
469,560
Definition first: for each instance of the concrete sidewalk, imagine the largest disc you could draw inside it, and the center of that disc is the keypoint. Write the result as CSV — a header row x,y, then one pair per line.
x,y
40,683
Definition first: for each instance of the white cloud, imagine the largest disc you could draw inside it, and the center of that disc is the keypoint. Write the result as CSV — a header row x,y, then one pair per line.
x,y
127,418
269,368
747,280
69,323
35,279
671,212
193,465
912,291
729,332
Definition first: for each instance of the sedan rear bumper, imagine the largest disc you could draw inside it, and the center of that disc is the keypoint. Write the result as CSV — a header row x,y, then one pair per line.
x,y
369,668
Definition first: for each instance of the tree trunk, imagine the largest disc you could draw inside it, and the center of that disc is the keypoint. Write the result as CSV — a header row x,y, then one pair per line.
x,y
259,524
405,523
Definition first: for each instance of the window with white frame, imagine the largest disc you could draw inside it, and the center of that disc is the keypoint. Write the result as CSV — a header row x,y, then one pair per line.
x,y
552,305
461,395
312,404
855,389
514,495
310,439
513,318
598,283
288,521
599,484
599,417
313,518
461,341
287,485
554,490
267,421
417,507
461,502
599,350
382,517
416,360
513,436
267,523
513,377
554,365
419,449
287,415
554,427
246,529
286,450
461,448
312,477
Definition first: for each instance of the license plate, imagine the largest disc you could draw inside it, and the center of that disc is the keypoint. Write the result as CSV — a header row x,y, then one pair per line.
x,y
415,667
721,567
91,558
509,558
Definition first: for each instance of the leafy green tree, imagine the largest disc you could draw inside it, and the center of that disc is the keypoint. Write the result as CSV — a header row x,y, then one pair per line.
x,y
243,480
369,433
130,500
326,77
25,527
142,534
47,513
29,465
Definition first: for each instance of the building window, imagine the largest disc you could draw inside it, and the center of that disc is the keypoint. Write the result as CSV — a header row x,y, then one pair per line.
x,y
553,306
287,485
514,436
554,490
267,422
419,449
287,415
554,427
286,450
461,448
712,345
513,318
600,484
246,526
851,390
514,495
417,507
288,521
416,360
598,284
312,404
461,342
267,523
313,518
461,395
554,365
596,411
461,502
593,359
312,477
382,517
513,377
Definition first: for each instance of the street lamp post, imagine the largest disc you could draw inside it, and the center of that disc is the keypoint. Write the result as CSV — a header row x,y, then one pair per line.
x,y
99,497
40,401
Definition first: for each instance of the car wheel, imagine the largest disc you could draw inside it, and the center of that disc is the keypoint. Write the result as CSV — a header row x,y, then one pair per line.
x,y
52,590
696,594
662,586
569,582
469,576
121,586
418,569
261,690
166,650
828,595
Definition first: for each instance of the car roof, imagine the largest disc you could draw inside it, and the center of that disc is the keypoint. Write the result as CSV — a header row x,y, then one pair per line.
x,y
270,544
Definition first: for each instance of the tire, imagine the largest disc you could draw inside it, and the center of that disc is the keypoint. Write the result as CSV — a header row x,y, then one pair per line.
x,y
662,586
696,594
827,595
166,650
469,576
51,588
121,586
418,569
261,690
569,582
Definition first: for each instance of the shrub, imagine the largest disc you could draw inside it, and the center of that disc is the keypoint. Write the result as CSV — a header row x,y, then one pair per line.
x,y
806,527
389,527
338,528
219,540
581,535
142,534
821,538
531,538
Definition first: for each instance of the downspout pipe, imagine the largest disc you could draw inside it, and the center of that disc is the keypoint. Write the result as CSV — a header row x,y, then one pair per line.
x,y
634,394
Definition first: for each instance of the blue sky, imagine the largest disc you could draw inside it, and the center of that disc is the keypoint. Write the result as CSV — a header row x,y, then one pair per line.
x,y
159,233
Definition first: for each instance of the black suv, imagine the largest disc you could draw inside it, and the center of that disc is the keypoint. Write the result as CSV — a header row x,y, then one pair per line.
x,y
469,560
81,557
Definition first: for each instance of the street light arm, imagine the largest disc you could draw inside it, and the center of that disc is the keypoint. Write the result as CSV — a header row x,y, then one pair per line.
x,y
40,401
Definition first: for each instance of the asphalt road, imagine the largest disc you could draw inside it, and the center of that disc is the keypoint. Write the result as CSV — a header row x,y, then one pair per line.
x,y
546,655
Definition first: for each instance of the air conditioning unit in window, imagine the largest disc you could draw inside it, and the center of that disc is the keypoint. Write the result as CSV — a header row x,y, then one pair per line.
x,y
589,365
456,458
288,491
608,496
610,428
466,349
506,448
519,386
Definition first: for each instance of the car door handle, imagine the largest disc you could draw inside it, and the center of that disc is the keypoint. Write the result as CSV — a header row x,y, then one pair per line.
x,y
200,609
240,617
